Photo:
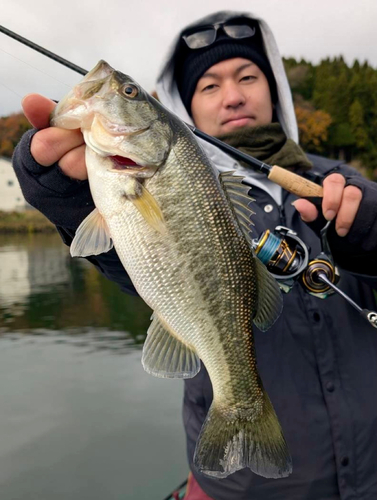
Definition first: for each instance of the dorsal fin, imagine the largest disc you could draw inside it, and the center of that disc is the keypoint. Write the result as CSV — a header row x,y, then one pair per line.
x,y
238,195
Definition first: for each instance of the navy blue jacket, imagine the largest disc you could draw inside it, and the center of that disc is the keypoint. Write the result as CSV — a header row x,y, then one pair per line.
x,y
318,362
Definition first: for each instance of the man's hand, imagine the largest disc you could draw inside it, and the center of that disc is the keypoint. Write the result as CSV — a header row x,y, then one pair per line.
x,y
52,144
339,202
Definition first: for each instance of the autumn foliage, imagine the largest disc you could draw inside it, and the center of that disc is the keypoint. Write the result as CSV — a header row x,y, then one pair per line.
x,y
11,130
336,109
313,127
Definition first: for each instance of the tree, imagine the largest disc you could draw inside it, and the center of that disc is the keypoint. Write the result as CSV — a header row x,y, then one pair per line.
x,y
11,130
357,124
300,77
313,128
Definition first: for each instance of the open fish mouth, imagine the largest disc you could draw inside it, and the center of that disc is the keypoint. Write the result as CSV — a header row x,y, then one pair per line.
x,y
122,164
119,163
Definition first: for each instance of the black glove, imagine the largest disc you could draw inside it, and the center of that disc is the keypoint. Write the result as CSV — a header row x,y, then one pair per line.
x,y
357,251
65,201
363,231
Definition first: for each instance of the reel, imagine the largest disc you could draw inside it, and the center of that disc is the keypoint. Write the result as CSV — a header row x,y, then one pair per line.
x,y
287,258
284,254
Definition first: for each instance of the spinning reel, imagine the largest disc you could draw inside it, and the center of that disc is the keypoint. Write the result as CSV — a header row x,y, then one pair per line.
x,y
286,256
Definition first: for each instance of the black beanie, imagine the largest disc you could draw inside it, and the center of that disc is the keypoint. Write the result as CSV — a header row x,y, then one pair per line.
x,y
191,64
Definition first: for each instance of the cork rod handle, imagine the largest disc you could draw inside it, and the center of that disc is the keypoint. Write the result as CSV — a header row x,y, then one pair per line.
x,y
294,183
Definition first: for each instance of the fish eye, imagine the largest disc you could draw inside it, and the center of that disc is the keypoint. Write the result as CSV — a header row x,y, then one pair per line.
x,y
130,90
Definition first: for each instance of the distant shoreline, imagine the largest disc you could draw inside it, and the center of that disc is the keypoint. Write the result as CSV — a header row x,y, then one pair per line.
x,y
26,222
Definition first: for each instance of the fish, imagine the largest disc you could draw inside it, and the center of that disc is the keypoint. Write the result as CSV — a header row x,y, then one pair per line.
x,y
182,232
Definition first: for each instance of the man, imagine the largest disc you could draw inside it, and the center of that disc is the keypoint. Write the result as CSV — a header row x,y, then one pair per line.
x,y
318,361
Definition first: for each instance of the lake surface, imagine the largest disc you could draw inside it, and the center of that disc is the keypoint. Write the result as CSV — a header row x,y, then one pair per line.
x,y
79,417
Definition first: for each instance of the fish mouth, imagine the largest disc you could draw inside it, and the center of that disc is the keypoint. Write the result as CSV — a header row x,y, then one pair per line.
x,y
119,163
123,164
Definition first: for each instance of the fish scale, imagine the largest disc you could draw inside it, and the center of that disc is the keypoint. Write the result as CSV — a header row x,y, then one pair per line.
x,y
176,271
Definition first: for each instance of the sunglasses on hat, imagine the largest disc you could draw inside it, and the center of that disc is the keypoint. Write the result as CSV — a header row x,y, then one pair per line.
x,y
207,35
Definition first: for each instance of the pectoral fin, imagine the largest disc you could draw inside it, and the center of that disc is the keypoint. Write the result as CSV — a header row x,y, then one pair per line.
x,y
92,236
146,204
166,356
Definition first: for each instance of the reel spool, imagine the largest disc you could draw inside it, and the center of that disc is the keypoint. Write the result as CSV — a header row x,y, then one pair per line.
x,y
284,255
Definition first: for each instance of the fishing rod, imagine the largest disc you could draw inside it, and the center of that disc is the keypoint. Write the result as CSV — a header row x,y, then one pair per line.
x,y
290,181
283,253
42,50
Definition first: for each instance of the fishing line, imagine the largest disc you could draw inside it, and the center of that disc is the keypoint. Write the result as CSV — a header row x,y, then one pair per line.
x,y
14,92
37,69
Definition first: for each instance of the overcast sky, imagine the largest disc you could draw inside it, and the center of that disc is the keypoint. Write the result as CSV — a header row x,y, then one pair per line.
x,y
133,36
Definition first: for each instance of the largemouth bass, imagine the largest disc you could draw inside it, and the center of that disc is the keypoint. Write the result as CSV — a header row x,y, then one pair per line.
x,y
181,232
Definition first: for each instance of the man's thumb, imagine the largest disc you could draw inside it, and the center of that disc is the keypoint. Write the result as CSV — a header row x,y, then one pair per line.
x,y
37,110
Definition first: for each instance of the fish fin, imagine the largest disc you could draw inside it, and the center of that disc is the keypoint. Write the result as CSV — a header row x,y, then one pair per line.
x,y
231,440
147,205
270,301
92,236
238,195
166,356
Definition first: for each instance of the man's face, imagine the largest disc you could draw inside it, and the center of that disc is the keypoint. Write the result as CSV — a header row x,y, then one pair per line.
x,y
231,94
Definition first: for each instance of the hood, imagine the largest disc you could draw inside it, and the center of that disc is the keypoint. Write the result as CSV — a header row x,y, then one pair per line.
x,y
169,96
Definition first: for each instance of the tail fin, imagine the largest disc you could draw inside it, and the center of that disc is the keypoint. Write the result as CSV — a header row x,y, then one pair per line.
x,y
231,441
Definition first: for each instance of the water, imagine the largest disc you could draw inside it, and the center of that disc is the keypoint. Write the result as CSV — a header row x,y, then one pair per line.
x,y
79,417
